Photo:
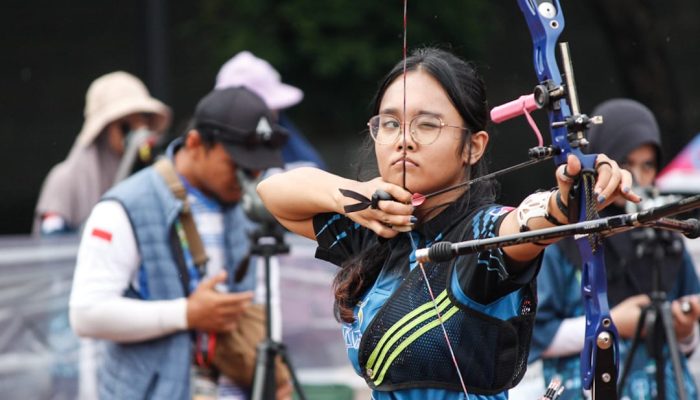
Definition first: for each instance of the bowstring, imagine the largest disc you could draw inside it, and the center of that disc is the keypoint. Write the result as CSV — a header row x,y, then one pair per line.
x,y
405,48
425,276
442,324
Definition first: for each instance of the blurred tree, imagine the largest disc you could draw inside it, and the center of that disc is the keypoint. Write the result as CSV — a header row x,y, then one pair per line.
x,y
335,50
642,58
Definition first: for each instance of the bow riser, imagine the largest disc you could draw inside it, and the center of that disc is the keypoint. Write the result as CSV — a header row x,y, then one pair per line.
x,y
599,363
545,33
594,292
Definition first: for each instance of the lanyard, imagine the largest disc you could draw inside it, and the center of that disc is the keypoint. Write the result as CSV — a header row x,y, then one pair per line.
x,y
204,349
195,272
206,342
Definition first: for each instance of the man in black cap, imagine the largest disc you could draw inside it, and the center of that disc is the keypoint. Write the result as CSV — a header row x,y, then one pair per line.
x,y
140,281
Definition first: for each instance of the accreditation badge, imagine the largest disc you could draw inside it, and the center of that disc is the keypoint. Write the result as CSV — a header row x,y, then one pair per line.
x,y
203,383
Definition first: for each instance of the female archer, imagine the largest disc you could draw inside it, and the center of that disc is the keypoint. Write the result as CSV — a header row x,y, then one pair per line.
x,y
439,330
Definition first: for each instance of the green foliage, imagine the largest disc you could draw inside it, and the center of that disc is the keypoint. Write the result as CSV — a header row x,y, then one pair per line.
x,y
332,37
335,50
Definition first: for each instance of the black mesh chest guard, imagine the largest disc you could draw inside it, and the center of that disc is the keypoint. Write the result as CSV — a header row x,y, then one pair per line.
x,y
404,346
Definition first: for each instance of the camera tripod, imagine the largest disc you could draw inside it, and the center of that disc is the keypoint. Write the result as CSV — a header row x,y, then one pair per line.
x,y
656,319
268,241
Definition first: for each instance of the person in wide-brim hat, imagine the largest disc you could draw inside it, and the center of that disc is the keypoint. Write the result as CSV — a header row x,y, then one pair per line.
x,y
114,96
116,105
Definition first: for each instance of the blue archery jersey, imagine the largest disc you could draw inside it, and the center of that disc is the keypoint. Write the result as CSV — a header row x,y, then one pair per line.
x,y
396,342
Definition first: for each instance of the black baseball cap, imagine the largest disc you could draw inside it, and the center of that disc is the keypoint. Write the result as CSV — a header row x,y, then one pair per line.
x,y
240,120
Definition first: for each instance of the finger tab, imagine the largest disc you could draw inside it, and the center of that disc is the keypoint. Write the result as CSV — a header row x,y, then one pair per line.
x,y
379,195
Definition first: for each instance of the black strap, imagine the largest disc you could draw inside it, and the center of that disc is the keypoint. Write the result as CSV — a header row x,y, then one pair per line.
x,y
552,220
561,206
177,251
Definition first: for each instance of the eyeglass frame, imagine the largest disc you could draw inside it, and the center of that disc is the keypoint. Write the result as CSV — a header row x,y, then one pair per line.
x,y
410,131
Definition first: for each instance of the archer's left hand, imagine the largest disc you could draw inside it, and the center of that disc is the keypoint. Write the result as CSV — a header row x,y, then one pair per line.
x,y
612,181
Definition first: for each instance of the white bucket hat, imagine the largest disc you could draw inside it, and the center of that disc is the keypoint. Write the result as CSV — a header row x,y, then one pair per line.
x,y
256,74
116,95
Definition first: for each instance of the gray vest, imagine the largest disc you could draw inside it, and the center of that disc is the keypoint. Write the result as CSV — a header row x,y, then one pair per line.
x,y
159,368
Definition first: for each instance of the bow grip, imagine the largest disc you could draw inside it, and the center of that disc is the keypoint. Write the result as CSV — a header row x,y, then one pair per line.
x,y
576,200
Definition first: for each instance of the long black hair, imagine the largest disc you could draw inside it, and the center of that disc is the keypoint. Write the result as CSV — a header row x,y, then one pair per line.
x,y
466,91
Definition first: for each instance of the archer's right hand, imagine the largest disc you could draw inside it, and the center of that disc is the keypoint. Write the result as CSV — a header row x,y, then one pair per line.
x,y
392,216
211,311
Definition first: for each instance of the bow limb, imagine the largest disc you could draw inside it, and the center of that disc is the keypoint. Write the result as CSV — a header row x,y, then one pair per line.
x,y
599,359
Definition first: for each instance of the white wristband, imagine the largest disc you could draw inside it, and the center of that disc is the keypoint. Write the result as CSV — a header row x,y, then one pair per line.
x,y
534,205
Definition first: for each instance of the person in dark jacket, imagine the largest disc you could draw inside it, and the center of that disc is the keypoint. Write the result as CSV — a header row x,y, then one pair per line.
x,y
630,136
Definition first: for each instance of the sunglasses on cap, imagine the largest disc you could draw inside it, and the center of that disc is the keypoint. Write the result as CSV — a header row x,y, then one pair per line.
x,y
263,135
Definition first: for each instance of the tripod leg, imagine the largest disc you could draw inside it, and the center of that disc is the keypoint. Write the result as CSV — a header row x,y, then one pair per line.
x,y
295,381
633,349
667,320
657,338
264,384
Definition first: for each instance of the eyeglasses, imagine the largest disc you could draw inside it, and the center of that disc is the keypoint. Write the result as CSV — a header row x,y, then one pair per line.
x,y
424,129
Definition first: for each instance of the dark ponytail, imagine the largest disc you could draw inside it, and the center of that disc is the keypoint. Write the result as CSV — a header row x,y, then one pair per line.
x,y
354,277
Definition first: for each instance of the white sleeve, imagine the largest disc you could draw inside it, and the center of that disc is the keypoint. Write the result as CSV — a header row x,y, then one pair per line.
x,y
108,261
569,338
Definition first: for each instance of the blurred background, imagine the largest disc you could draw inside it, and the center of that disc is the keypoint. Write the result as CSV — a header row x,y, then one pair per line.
x,y
334,50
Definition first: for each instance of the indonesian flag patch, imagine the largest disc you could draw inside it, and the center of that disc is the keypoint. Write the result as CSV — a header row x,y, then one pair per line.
x,y
102,234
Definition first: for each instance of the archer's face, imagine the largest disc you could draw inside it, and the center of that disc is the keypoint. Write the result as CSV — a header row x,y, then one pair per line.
x,y
428,167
